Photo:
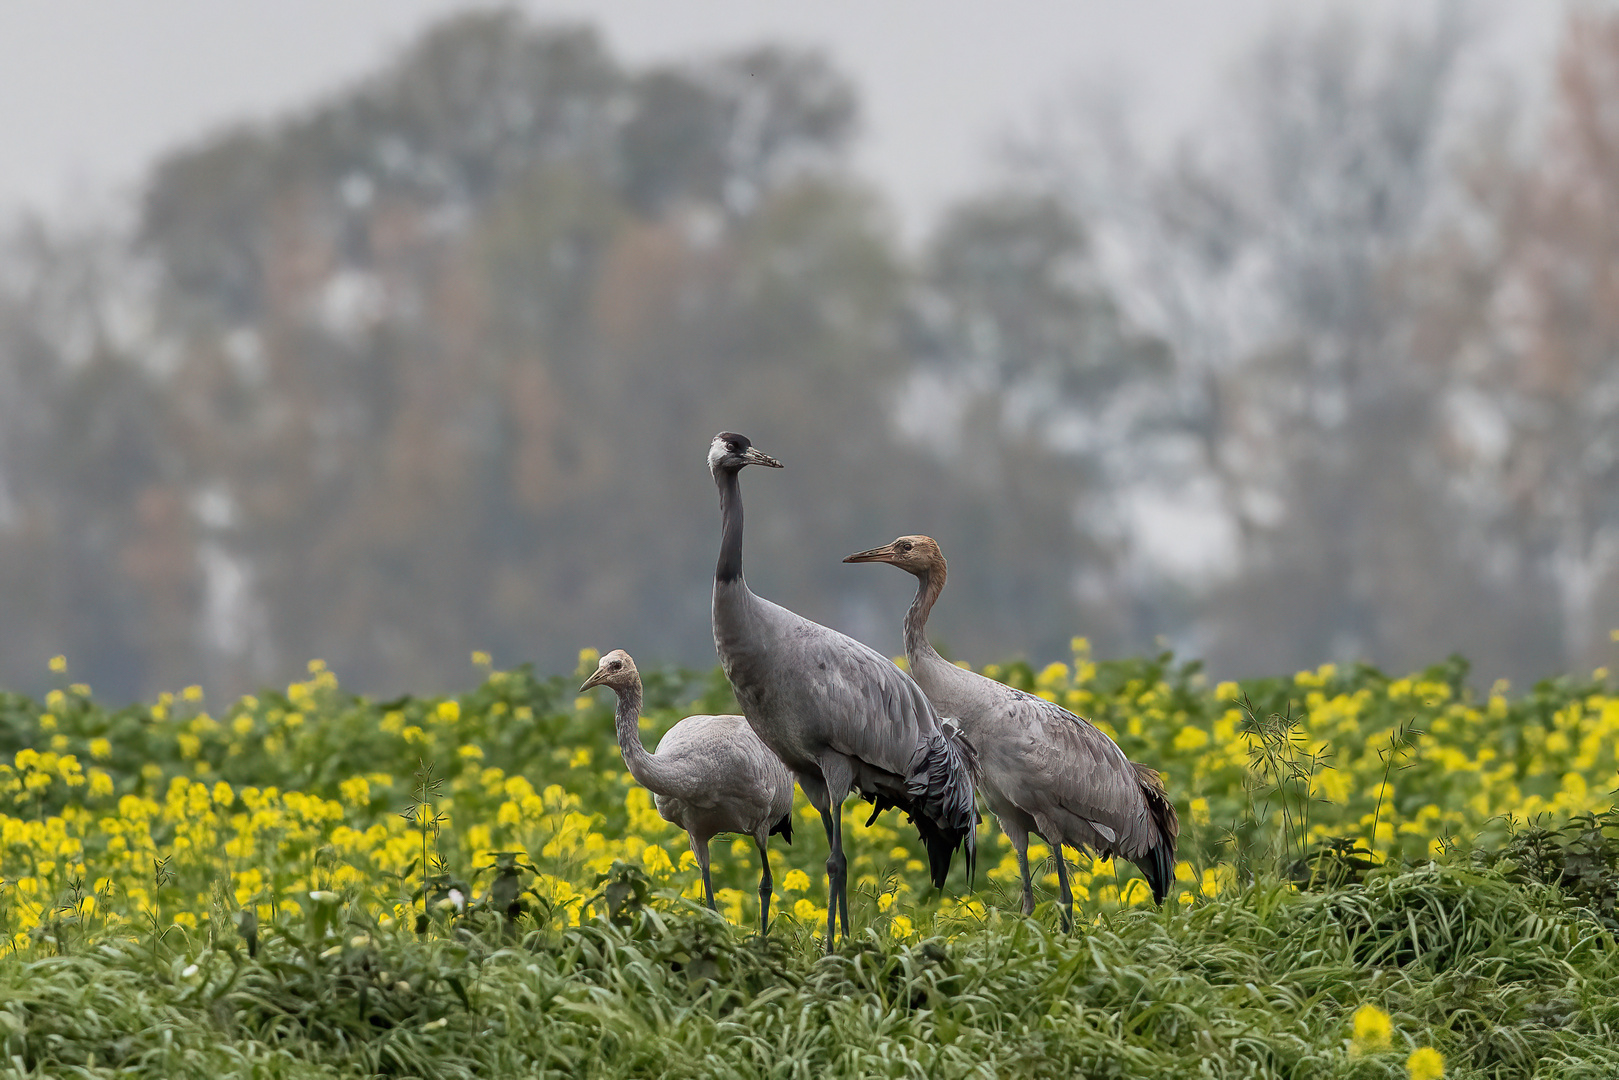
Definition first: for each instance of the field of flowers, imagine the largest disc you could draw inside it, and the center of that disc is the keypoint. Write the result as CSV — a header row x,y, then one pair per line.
x,y
192,835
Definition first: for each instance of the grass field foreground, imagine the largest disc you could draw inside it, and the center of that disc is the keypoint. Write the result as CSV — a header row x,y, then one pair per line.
x,y
308,880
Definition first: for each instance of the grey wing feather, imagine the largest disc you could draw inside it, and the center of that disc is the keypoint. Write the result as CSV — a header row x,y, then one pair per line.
x,y
1090,778
724,764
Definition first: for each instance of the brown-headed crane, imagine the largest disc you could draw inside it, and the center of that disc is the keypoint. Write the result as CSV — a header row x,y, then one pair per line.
x,y
1041,768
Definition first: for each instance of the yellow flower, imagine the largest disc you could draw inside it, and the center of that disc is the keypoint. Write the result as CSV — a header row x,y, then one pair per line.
x,y
1191,738
480,658
1200,811
449,711
223,795
1372,1029
656,860
59,663
795,881
901,927
192,693
1425,1063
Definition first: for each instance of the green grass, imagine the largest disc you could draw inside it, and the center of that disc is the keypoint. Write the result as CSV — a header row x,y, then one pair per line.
x,y
1507,979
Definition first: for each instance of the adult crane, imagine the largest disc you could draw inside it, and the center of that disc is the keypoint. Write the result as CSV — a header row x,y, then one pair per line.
x,y
839,714
1041,768
709,775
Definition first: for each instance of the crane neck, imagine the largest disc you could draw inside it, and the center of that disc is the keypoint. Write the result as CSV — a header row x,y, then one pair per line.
x,y
929,584
645,767
729,567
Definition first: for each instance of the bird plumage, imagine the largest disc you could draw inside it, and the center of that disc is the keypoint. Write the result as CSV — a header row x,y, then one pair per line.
x,y
1042,769
838,713
709,775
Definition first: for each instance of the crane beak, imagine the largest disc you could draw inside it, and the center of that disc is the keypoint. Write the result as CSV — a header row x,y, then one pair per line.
x,y
877,554
594,680
754,456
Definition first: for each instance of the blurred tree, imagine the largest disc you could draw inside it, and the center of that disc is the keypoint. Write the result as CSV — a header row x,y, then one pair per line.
x,y
96,544
1271,254
1035,393
1518,321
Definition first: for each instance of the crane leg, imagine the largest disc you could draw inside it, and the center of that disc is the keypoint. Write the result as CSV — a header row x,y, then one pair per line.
x,y
699,848
814,788
1019,837
764,886
837,899
1066,893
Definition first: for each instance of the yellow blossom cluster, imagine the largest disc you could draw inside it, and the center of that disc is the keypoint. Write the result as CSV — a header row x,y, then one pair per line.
x,y
116,820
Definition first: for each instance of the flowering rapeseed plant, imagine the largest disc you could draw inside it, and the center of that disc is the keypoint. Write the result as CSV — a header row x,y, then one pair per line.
x,y
112,820
1372,1029
1425,1063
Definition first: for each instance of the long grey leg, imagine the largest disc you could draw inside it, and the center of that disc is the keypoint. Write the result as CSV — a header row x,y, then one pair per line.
x,y
843,871
1066,893
828,816
699,848
1019,837
837,776
764,886
814,788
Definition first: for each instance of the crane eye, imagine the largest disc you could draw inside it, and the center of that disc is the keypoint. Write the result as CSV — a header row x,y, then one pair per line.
x,y
730,447
615,665
905,546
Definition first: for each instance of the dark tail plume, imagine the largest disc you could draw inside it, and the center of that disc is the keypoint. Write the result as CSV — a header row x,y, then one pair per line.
x,y
940,793
783,828
1158,862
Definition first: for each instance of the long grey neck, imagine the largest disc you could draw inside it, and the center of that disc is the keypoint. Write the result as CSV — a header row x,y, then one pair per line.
x,y
729,567
646,768
929,584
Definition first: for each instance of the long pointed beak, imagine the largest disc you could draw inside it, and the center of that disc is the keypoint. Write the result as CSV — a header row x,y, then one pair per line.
x,y
594,680
876,554
755,456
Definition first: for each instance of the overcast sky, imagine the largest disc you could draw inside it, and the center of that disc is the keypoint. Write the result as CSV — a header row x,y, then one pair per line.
x,y
94,92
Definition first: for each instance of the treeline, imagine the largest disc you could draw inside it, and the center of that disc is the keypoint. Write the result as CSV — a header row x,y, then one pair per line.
x,y
431,366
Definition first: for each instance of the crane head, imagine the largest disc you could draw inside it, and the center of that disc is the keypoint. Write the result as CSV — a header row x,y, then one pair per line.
x,y
917,554
730,451
616,670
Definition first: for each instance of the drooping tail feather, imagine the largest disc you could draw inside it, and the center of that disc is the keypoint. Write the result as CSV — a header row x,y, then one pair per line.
x,y
1158,862
939,790
783,828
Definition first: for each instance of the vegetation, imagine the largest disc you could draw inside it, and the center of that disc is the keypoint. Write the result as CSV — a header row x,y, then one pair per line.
x,y
310,880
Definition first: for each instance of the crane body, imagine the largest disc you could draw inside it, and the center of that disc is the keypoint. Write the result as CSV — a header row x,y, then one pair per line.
x,y
1042,769
709,775
838,713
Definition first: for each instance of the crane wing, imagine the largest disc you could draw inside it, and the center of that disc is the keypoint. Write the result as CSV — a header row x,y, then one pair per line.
x,y
1054,764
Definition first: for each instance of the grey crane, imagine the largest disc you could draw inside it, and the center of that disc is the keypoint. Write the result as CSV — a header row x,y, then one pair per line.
x,y
839,714
709,775
1041,768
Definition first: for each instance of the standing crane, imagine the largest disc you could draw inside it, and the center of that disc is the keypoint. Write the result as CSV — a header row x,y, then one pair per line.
x,y
1041,768
709,775
839,714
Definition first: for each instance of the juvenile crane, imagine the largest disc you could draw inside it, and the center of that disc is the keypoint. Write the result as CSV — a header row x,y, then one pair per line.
x,y
1041,768
838,713
710,775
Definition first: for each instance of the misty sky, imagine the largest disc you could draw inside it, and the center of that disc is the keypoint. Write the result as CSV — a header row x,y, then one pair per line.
x,y
95,91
